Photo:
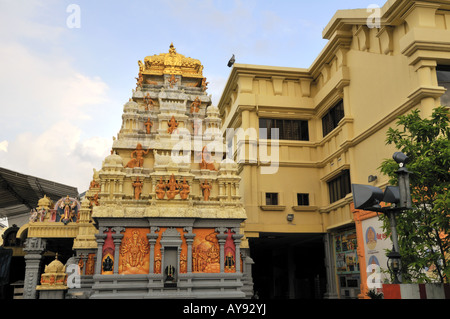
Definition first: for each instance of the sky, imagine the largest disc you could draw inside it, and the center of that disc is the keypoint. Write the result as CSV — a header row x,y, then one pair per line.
x,y
68,67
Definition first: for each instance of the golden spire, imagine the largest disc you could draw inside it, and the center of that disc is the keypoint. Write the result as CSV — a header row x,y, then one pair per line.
x,y
171,63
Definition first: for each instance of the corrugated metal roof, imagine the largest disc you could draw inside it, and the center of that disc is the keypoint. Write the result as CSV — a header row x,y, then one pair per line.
x,y
19,193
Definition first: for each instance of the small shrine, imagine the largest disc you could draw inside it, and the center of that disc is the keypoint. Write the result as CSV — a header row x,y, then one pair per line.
x,y
53,281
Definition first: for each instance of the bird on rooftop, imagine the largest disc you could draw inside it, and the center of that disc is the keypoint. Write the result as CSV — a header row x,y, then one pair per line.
x,y
231,62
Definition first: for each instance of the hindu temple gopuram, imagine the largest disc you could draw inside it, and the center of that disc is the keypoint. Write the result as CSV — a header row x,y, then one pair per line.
x,y
162,217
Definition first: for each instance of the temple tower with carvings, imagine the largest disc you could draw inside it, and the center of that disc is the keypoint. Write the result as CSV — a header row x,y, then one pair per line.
x,y
165,202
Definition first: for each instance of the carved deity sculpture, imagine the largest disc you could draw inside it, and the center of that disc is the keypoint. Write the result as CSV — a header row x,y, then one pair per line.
x,y
81,264
206,187
207,162
148,125
139,160
161,189
195,105
139,80
172,80
149,103
137,188
134,250
204,84
173,124
173,188
157,264
183,263
185,189
67,210
90,265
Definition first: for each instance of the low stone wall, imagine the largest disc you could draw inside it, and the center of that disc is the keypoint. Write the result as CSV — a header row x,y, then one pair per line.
x,y
416,291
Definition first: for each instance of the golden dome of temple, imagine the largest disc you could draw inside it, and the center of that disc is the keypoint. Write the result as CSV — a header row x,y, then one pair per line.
x,y
55,267
45,202
171,63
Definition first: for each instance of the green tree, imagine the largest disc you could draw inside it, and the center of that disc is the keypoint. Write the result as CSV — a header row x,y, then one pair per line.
x,y
423,230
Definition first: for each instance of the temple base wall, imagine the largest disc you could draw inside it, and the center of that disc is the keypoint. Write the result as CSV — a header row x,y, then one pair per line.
x,y
215,286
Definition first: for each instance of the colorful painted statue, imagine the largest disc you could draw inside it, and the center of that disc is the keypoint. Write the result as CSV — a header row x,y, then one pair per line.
x,y
67,211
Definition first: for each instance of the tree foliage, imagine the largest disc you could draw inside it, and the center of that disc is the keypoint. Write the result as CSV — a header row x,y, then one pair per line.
x,y
423,230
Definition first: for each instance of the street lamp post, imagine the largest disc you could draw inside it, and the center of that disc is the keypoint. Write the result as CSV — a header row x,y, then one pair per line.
x,y
368,197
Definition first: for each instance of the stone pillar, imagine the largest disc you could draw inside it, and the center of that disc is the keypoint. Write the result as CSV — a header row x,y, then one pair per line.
x,y
34,247
117,239
222,239
237,244
100,241
330,269
152,237
189,237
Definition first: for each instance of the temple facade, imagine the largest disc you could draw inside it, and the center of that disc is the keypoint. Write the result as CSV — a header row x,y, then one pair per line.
x,y
162,216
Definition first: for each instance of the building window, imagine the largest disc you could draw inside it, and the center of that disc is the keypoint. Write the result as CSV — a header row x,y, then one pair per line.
x,y
339,186
271,198
302,199
296,130
331,120
443,77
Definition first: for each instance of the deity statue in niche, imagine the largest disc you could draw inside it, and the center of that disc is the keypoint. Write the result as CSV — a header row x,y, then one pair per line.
x,y
107,264
81,264
170,273
67,210
172,80
173,188
137,188
108,254
230,253
195,105
148,126
185,189
137,161
161,189
206,188
133,251
90,265
183,263
149,103
173,124
207,162
157,269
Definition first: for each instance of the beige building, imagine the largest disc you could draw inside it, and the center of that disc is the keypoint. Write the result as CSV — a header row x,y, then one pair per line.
x,y
332,119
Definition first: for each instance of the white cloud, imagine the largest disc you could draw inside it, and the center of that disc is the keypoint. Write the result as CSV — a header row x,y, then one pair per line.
x,y
57,154
46,101
4,146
